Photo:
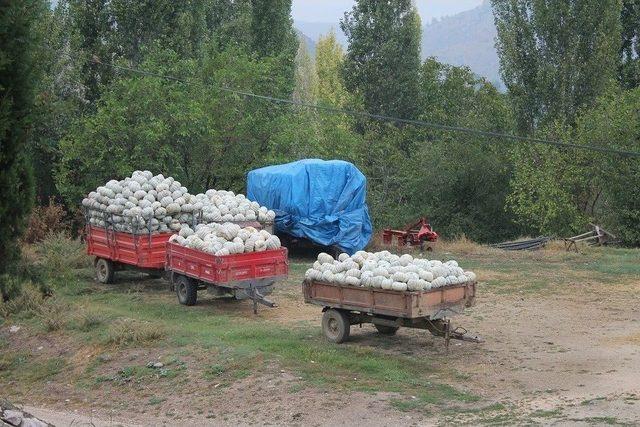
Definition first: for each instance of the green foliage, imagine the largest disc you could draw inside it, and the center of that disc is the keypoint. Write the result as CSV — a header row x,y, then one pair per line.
x,y
306,78
630,49
383,58
204,137
329,62
614,122
459,182
18,72
273,36
556,57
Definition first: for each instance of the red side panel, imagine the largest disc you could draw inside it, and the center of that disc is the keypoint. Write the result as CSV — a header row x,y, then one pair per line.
x,y
140,250
227,269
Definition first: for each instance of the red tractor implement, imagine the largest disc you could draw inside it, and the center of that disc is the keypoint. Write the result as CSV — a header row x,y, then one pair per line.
x,y
419,233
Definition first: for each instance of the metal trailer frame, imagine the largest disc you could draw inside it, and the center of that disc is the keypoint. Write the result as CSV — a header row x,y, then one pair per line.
x,y
389,310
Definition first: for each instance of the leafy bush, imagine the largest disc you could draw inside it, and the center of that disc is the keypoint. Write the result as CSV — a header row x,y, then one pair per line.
x,y
60,255
45,220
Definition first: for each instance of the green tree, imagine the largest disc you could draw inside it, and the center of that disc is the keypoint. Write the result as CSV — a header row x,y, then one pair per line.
x,y
202,136
556,57
18,72
630,49
614,122
60,99
273,36
306,78
459,181
382,64
87,26
329,62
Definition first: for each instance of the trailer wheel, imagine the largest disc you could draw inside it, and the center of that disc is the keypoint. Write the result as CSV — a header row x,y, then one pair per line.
x,y
336,326
104,270
186,290
387,330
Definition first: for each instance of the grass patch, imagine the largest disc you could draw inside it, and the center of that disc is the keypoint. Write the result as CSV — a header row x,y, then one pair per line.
x,y
612,421
130,332
552,413
86,321
53,315
156,400
240,341
592,401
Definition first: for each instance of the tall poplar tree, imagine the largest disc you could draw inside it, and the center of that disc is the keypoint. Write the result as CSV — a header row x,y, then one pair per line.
x,y
382,64
556,56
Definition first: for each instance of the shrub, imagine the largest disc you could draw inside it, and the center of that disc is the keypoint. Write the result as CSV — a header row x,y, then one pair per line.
x,y
128,331
28,300
53,314
60,254
45,220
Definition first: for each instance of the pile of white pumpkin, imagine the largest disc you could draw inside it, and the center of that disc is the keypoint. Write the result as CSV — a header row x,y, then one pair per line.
x,y
225,239
144,202
385,270
224,205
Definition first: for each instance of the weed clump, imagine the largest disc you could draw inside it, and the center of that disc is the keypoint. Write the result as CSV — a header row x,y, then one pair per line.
x,y
88,321
28,301
126,332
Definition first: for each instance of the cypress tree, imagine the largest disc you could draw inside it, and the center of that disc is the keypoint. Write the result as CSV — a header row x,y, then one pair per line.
x,y
18,40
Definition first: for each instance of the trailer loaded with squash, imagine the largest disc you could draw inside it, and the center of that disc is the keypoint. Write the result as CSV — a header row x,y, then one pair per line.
x,y
213,241
390,292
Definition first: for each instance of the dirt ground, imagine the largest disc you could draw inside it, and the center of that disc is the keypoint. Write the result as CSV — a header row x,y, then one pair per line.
x,y
571,356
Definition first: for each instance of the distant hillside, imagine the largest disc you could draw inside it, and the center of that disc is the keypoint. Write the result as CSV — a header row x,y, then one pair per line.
x,y
314,30
467,38
311,43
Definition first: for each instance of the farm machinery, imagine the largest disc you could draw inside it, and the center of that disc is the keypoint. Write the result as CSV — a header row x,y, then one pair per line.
x,y
419,233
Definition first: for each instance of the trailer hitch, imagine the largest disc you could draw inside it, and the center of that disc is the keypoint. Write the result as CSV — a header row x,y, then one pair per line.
x,y
442,328
257,297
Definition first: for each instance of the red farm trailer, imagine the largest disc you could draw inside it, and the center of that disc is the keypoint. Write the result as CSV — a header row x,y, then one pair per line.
x,y
116,250
244,276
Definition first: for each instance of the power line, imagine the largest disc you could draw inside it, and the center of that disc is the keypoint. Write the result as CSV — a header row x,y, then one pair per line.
x,y
378,117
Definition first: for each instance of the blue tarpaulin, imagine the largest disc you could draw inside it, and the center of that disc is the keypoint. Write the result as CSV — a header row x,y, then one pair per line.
x,y
323,201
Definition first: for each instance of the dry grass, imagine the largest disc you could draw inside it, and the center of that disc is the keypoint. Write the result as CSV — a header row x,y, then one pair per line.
x,y
53,314
85,321
45,220
462,245
126,332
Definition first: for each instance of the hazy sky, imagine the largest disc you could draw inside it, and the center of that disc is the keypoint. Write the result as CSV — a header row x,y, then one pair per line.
x,y
332,10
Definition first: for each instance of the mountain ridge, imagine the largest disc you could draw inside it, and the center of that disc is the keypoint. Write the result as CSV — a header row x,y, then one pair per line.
x,y
463,39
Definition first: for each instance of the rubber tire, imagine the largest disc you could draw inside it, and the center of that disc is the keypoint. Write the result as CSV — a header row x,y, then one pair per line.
x,y
387,330
104,270
186,290
335,326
